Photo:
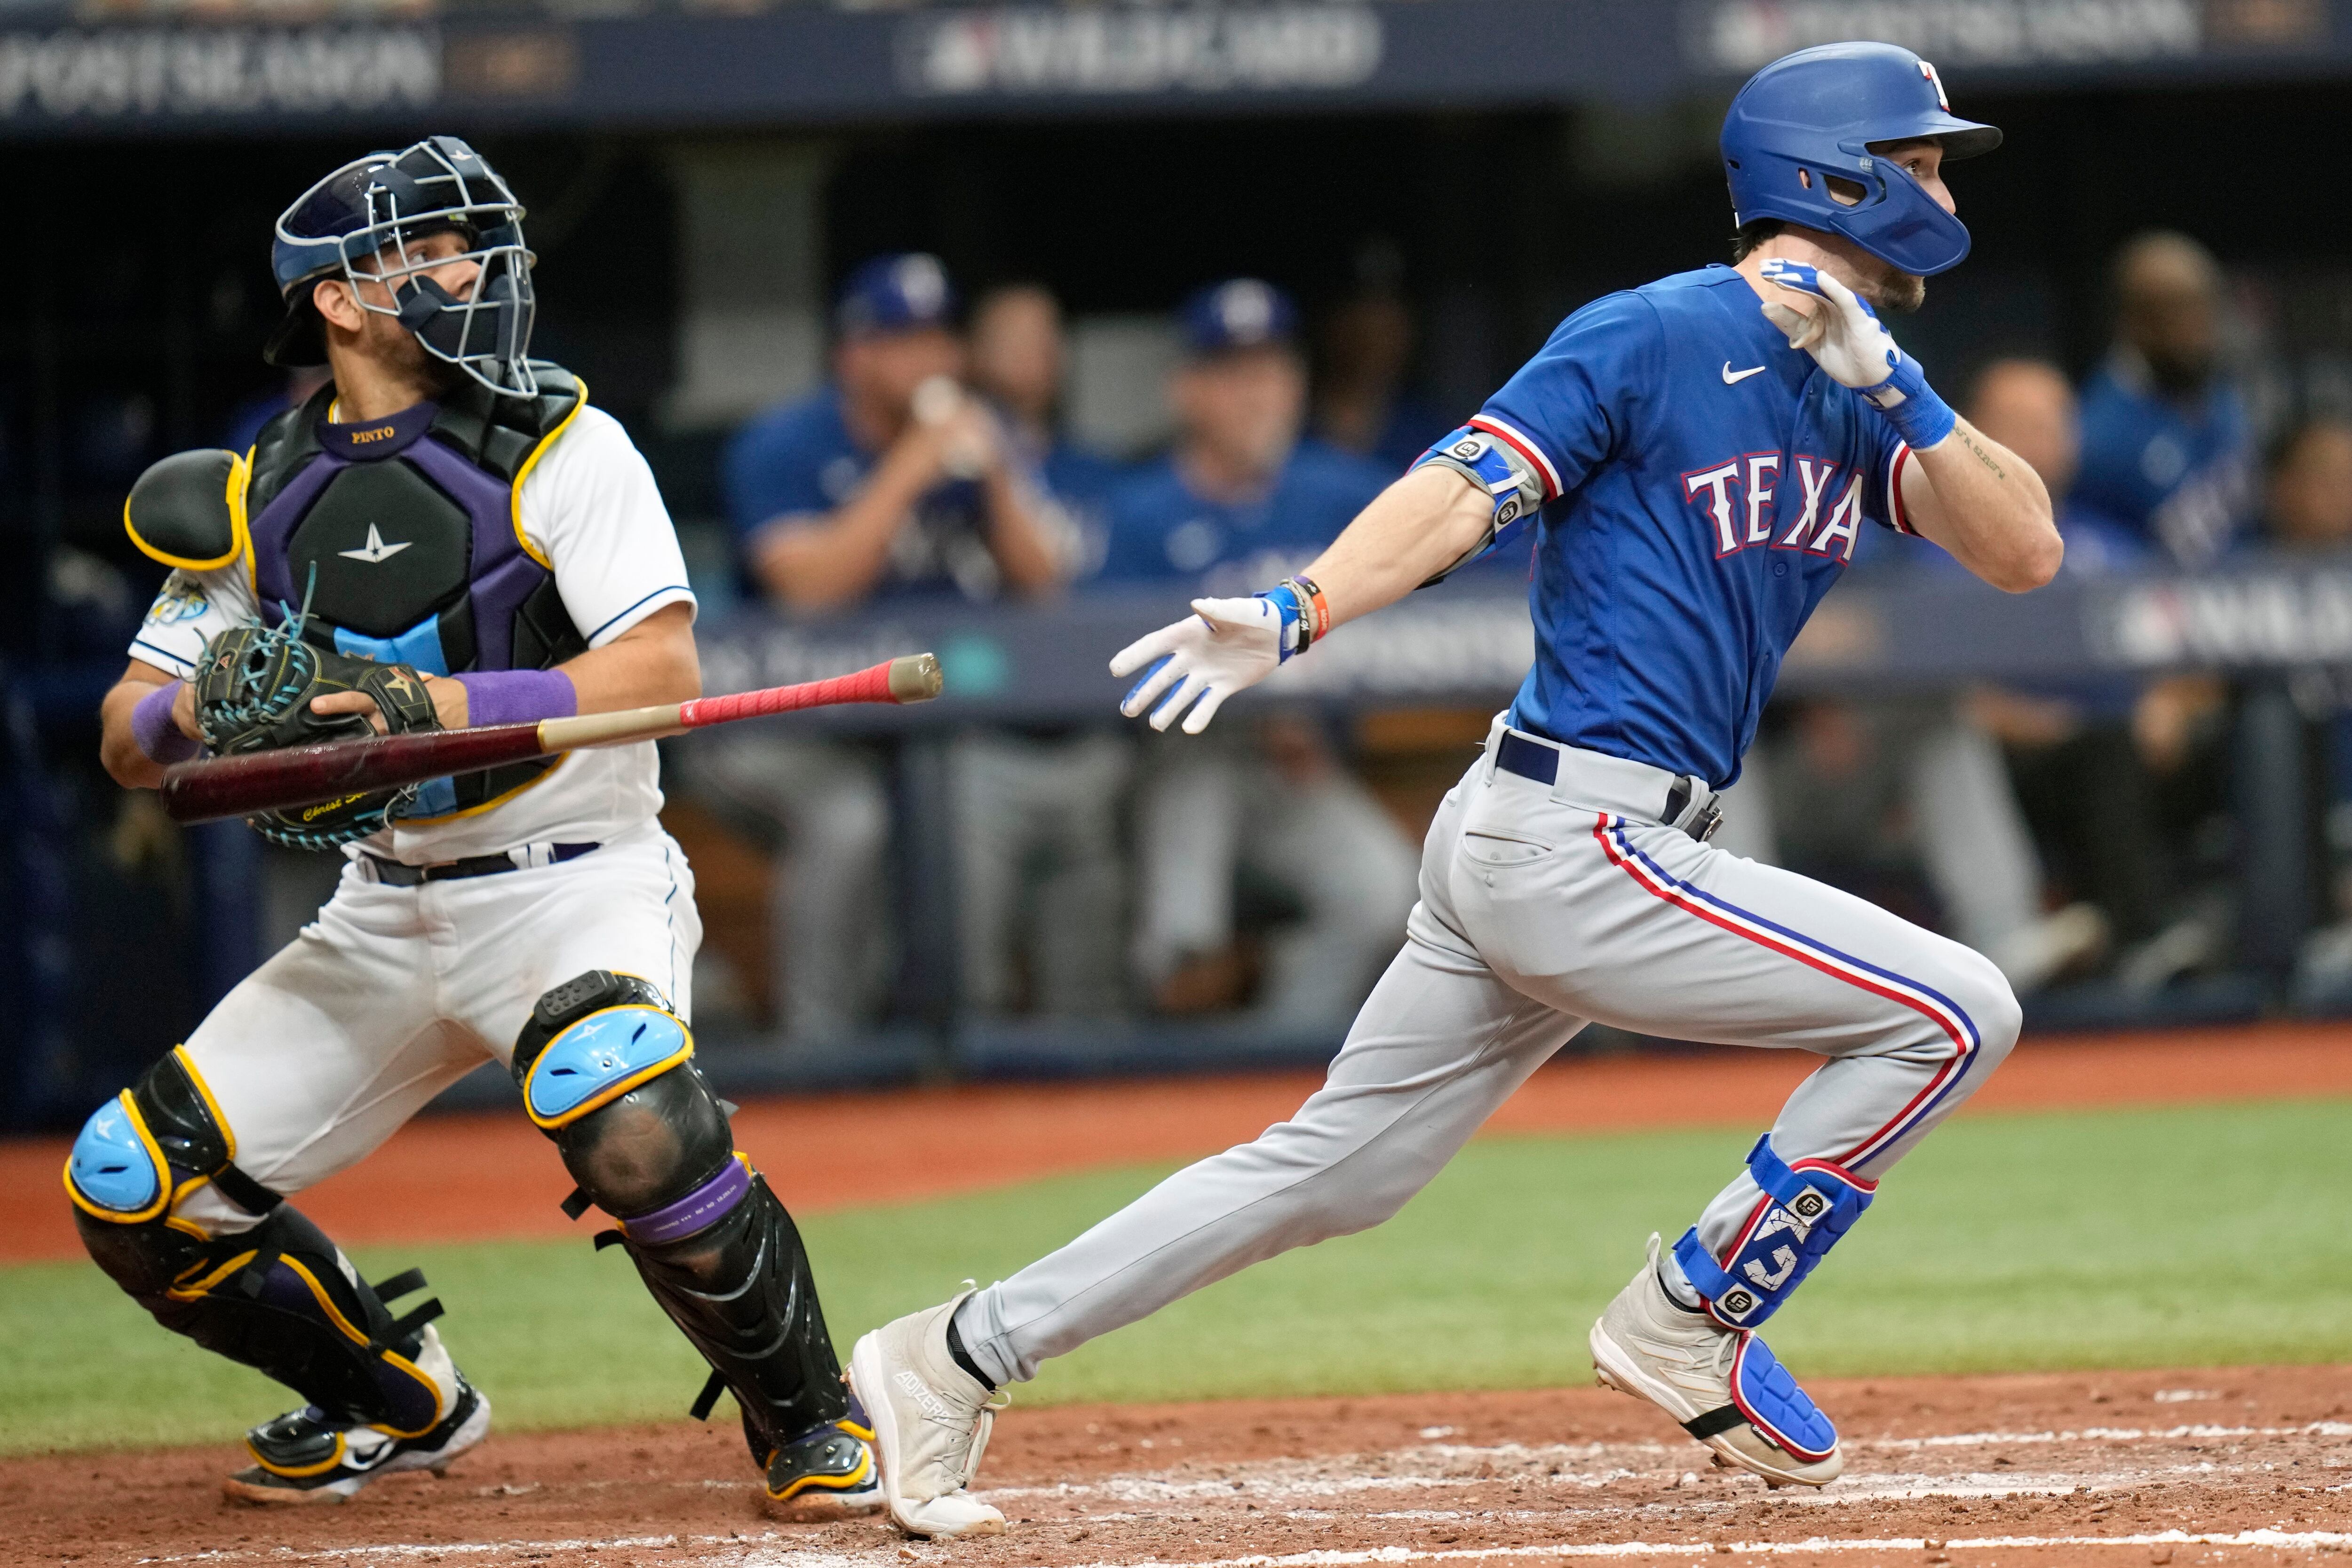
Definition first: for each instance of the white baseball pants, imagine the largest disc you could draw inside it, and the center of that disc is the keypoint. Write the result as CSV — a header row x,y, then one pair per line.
x,y
395,993
1544,908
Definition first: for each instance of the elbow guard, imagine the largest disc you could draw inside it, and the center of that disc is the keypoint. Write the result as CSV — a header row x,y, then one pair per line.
x,y
1511,482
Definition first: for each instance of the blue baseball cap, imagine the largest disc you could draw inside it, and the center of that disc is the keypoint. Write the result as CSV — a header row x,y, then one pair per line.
x,y
1240,313
907,292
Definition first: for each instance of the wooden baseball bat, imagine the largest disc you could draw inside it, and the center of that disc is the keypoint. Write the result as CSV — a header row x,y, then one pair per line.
x,y
207,790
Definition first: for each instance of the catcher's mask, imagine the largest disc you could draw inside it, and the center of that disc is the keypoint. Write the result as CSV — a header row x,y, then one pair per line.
x,y
360,221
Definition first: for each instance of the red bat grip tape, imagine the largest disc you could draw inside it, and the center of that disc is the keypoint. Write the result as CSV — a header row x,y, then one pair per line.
x,y
866,687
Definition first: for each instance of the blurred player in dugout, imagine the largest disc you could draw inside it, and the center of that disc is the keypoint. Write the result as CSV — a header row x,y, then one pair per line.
x,y
892,483
2168,449
1270,815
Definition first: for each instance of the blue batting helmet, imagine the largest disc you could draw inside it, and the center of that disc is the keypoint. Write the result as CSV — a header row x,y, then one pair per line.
x,y
1815,114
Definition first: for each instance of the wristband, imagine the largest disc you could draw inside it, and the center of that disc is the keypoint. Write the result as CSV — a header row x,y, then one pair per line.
x,y
156,731
1909,404
518,697
1305,615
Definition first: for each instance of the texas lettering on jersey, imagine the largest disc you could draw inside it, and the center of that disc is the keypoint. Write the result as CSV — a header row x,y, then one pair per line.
x,y
1703,486
1742,498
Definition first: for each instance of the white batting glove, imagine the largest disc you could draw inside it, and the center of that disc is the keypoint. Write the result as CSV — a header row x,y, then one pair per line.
x,y
1848,341
1223,646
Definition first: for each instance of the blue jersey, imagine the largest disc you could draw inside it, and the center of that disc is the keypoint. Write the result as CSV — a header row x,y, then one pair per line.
x,y
2178,470
1162,531
1704,485
801,461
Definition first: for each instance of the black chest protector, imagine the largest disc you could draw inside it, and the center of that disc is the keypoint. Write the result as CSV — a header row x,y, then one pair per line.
x,y
406,537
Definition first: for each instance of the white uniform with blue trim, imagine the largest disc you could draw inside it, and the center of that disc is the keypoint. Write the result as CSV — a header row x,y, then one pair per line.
x,y
395,993
1702,486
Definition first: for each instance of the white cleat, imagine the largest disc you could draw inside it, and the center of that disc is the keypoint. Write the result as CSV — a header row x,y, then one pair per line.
x,y
931,1421
1648,1345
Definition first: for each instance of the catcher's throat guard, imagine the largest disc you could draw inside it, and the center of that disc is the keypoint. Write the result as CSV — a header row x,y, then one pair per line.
x,y
362,223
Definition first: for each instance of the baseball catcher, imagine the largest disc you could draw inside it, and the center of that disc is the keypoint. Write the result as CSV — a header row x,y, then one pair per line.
x,y
446,534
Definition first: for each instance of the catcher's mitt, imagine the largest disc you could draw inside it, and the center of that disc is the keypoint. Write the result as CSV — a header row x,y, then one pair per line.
x,y
253,694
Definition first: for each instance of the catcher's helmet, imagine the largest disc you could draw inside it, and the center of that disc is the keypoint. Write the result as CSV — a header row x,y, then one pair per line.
x,y
1814,114
385,202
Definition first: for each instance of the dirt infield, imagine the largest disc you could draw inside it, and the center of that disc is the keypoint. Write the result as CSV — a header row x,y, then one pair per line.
x,y
482,1176
2179,1467
2226,1466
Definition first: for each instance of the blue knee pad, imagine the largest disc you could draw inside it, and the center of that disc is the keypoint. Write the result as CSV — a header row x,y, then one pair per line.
x,y
1806,1207
593,1063
153,1143
117,1171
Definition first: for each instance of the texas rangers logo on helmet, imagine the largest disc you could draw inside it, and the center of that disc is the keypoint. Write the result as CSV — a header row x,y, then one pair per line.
x,y
1937,82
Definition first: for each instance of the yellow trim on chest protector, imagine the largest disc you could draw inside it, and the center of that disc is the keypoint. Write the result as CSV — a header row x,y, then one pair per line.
x,y
514,501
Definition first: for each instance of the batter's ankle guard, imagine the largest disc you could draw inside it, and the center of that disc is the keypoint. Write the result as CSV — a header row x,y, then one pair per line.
x,y
607,1072
1805,1208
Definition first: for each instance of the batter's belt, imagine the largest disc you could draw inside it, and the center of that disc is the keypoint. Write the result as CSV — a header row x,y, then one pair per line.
x,y
1602,783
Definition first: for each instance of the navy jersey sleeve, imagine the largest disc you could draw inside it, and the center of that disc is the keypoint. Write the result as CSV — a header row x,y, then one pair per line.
x,y
1569,407
773,469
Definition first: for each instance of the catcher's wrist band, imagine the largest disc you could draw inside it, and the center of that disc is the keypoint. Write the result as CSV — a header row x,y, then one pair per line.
x,y
517,696
156,731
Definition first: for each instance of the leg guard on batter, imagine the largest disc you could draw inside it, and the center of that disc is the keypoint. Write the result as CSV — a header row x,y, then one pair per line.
x,y
279,1297
1805,1208
607,1072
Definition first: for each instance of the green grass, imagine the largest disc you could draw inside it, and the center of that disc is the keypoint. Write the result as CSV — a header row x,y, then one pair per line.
x,y
2129,1239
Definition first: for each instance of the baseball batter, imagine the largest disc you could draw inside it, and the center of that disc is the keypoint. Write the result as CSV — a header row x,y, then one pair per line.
x,y
1696,458
446,534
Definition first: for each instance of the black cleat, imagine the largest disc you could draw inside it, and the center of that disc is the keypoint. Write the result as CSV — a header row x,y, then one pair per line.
x,y
305,1456
828,1473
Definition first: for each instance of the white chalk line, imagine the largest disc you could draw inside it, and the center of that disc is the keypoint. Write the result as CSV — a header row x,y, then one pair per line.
x,y
2279,1540
749,1552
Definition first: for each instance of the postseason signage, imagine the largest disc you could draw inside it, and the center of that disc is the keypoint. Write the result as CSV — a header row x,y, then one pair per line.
x,y
642,63
186,73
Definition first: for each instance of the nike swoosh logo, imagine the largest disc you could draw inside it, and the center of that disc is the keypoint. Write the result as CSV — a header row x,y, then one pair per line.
x,y
375,549
1732,378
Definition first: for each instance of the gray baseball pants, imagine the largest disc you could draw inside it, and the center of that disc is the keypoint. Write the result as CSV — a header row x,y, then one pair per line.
x,y
1544,908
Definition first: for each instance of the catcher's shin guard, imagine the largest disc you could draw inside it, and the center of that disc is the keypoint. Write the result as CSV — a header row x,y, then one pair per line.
x,y
607,1072
279,1297
1805,1208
